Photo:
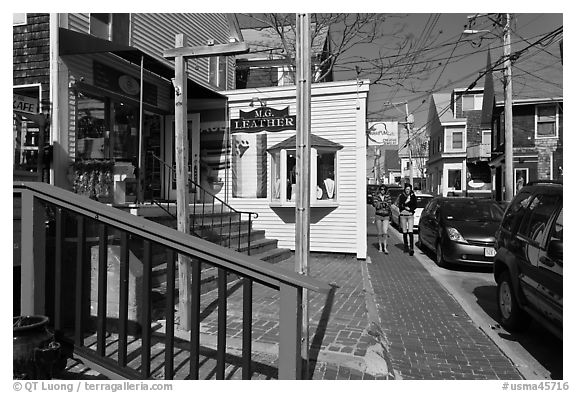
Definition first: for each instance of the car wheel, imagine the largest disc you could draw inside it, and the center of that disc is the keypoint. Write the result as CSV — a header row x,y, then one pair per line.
x,y
440,261
512,317
419,243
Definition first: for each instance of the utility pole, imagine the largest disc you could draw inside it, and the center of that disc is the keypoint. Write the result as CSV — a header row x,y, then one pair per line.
x,y
303,107
508,131
409,121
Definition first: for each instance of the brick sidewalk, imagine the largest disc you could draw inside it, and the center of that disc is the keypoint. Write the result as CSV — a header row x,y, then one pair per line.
x,y
341,346
428,334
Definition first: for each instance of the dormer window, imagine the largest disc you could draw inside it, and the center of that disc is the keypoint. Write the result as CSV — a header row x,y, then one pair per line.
x,y
472,102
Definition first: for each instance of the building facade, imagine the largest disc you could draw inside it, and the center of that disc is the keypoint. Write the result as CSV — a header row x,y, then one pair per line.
x,y
538,135
262,177
101,93
457,128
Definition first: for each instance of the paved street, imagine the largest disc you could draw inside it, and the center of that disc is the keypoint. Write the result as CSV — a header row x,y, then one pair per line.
x,y
536,353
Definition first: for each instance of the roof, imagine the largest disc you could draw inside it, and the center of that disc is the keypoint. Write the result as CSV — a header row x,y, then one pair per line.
x,y
315,140
443,102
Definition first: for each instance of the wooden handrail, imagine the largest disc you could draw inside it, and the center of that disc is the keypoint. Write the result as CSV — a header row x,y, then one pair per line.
x,y
245,265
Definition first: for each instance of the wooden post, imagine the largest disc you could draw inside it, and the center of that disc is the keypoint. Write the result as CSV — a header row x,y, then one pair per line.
x,y
290,359
33,261
303,105
182,194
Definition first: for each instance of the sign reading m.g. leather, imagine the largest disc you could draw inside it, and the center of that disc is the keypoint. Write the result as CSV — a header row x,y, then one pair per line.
x,y
263,119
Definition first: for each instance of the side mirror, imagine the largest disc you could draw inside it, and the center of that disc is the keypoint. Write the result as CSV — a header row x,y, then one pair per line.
x,y
556,250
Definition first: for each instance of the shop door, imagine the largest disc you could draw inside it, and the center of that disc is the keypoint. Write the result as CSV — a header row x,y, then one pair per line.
x,y
193,152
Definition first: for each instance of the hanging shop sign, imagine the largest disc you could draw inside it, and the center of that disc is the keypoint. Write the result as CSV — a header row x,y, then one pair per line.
x,y
25,104
263,119
117,81
382,133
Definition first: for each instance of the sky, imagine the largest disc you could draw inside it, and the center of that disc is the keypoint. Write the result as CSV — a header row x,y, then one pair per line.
x,y
455,60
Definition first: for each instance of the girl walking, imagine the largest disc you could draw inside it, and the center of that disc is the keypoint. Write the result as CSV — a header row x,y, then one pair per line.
x,y
407,206
381,202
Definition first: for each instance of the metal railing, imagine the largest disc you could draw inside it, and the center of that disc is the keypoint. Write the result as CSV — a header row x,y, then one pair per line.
x,y
78,289
199,222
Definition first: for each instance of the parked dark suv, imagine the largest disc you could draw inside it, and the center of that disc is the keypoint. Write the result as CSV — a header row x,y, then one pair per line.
x,y
529,260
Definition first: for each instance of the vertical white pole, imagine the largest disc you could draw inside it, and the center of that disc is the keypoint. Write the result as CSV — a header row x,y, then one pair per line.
x,y
303,104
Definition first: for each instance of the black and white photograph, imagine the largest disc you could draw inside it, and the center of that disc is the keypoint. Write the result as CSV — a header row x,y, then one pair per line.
x,y
287,196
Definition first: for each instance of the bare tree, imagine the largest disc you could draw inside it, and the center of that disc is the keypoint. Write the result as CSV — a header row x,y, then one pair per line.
x,y
419,149
367,45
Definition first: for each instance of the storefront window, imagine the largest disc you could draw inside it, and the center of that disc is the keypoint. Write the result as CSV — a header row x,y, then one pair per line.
x,y
124,136
100,136
322,175
276,176
249,165
26,142
454,176
91,128
325,164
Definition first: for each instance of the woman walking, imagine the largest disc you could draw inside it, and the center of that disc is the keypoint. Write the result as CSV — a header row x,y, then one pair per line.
x,y
407,206
381,202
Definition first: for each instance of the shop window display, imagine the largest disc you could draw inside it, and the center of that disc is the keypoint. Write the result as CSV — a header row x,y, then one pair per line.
x,y
322,176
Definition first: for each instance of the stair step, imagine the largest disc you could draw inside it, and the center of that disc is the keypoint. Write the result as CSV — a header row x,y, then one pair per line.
x,y
258,246
274,256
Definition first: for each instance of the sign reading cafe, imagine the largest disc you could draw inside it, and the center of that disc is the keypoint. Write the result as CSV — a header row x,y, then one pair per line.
x,y
263,119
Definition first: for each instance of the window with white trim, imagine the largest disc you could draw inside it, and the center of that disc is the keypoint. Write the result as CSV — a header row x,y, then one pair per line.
x,y
520,178
455,139
547,121
472,102
454,179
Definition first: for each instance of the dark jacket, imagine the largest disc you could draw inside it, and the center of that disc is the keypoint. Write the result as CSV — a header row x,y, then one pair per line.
x,y
407,202
382,204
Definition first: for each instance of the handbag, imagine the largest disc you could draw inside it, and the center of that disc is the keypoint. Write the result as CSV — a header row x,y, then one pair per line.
x,y
383,209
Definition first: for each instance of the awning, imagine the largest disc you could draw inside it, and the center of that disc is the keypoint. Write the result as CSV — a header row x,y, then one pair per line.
x,y
75,43
315,141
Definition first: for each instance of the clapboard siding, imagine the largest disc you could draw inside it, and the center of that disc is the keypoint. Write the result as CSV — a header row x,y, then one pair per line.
x,y
154,33
79,22
334,117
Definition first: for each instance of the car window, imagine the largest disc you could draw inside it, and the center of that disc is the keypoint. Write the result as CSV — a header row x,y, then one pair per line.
x,y
540,209
558,228
471,210
515,212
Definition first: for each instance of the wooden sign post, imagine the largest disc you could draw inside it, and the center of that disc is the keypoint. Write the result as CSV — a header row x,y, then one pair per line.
x,y
180,54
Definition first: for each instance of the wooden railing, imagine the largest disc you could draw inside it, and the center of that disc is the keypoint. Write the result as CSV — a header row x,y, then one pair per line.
x,y
80,225
201,217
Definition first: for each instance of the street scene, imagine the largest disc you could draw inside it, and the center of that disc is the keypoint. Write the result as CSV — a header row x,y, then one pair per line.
x,y
273,196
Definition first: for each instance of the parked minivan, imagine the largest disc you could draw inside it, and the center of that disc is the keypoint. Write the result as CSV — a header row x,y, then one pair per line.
x,y
528,266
